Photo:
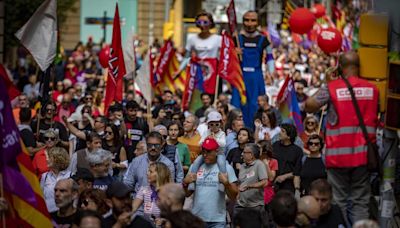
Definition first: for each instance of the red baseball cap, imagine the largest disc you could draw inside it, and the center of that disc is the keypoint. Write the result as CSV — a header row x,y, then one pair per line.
x,y
210,144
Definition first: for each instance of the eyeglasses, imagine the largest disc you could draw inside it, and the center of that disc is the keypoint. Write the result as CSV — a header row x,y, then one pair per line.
x,y
50,110
89,98
151,145
109,132
86,202
214,124
49,138
310,123
313,143
203,22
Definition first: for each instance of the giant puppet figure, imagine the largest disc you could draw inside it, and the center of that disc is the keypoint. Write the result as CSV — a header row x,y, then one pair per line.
x,y
251,46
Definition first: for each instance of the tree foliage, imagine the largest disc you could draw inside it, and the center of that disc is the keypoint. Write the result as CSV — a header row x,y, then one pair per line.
x,y
18,12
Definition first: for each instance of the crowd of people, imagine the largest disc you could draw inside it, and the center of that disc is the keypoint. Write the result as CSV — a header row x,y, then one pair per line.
x,y
221,165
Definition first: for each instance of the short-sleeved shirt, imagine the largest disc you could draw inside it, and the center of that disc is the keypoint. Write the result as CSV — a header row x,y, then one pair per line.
x,y
209,200
136,131
248,175
184,155
204,48
150,207
43,127
193,145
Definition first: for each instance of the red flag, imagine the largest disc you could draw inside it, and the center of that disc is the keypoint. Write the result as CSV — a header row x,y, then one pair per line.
x,y
13,92
230,11
166,53
116,65
229,66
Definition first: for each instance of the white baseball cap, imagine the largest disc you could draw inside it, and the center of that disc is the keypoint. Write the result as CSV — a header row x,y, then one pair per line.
x,y
214,117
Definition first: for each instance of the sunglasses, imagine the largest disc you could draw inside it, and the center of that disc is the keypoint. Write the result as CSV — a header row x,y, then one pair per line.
x,y
313,143
50,110
89,98
151,145
49,138
214,124
310,123
86,202
247,20
109,132
203,23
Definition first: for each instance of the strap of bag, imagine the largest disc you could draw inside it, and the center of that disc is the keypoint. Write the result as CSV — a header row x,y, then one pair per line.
x,y
357,108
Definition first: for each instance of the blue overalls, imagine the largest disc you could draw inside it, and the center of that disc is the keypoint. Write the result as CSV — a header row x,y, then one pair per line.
x,y
253,79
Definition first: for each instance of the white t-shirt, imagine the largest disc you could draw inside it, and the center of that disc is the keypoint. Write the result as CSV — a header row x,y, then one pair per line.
x,y
204,48
271,132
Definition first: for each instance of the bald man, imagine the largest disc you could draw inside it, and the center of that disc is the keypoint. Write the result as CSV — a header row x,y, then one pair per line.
x,y
308,211
171,198
346,147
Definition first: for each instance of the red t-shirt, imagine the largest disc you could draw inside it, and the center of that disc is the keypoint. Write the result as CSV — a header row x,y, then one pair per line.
x,y
39,163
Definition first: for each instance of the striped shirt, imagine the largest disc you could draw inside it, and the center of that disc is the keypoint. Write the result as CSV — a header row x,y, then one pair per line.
x,y
149,204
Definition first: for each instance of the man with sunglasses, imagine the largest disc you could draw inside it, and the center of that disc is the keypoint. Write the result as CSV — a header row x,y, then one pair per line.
x,y
136,174
47,121
251,46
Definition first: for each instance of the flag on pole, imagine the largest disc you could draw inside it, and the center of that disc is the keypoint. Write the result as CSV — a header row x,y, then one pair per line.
x,y
130,57
231,13
20,183
288,104
167,66
191,99
143,78
229,66
116,65
39,34
13,92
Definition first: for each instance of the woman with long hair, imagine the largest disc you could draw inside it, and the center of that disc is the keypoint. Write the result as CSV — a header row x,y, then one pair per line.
x,y
244,136
312,165
268,128
41,158
175,130
113,143
158,175
310,128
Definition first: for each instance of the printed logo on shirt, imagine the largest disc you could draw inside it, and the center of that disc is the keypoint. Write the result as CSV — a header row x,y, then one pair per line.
x,y
250,45
250,174
361,93
200,173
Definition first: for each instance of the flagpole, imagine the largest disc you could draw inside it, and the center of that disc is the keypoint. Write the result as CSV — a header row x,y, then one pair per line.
x,y
216,91
3,215
320,121
238,45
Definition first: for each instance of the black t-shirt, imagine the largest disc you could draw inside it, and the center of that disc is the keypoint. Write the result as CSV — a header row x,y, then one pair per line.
x,y
136,131
80,143
289,158
43,127
63,221
333,219
309,170
235,158
200,112
28,138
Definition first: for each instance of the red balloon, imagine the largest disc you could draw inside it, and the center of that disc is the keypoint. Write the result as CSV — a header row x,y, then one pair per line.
x,y
301,20
103,56
330,40
318,10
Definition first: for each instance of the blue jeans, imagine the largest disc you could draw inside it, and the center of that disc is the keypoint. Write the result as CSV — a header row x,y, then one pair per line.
x,y
215,225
